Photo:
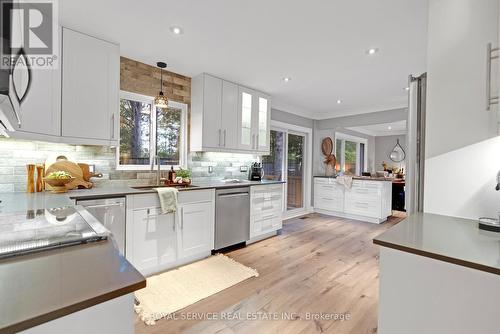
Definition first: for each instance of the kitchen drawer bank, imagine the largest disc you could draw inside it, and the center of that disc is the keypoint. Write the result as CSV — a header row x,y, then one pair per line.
x,y
367,200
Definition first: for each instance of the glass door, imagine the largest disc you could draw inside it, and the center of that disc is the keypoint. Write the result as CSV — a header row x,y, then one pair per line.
x,y
295,172
274,163
286,163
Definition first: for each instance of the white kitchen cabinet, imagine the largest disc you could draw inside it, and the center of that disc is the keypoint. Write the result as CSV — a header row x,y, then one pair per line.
x,y
227,117
195,235
254,119
90,87
266,210
263,123
157,241
214,114
367,200
154,241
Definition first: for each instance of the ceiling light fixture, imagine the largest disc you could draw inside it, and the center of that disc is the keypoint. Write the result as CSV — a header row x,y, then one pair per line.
x,y
372,51
407,88
161,100
176,30
339,101
287,79
389,127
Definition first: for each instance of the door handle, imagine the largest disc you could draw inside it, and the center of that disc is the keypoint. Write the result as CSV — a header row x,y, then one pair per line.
x,y
224,137
113,126
490,55
181,217
102,205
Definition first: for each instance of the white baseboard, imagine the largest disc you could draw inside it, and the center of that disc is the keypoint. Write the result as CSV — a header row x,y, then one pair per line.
x,y
374,220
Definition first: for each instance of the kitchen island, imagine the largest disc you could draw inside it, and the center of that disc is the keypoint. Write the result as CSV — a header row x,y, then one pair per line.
x,y
84,288
439,274
368,199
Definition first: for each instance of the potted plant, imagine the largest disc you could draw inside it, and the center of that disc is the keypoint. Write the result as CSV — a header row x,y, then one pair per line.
x,y
185,174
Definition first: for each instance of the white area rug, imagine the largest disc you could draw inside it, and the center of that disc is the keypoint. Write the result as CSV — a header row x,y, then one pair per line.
x,y
178,288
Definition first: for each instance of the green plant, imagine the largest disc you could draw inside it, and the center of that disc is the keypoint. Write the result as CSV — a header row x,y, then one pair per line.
x,y
184,173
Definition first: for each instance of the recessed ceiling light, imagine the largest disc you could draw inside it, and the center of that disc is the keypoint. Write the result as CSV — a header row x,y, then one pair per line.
x,y
407,88
339,101
389,127
372,51
176,30
286,79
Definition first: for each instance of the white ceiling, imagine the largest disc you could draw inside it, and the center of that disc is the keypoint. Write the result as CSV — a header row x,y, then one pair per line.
x,y
383,129
320,44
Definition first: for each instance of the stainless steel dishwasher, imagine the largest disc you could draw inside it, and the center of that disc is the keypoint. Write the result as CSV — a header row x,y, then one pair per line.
x,y
232,216
111,213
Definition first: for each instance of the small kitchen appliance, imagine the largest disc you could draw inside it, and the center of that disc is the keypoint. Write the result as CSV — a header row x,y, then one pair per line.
x,y
256,172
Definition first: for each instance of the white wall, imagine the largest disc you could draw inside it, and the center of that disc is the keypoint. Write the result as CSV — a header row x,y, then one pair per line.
x,y
383,148
462,147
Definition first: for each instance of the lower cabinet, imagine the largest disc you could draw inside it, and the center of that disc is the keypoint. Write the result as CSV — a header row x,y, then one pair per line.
x,y
367,200
157,241
195,234
266,209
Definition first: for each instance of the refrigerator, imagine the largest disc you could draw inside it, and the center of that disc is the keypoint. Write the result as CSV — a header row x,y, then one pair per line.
x,y
415,166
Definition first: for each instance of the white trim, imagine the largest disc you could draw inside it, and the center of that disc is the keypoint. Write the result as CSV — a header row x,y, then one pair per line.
x,y
307,191
358,140
183,147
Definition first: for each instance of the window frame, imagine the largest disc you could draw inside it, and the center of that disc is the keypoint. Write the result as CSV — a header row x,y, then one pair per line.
x,y
358,140
152,137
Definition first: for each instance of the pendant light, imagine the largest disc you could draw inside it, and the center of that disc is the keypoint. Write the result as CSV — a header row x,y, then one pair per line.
x,y
161,100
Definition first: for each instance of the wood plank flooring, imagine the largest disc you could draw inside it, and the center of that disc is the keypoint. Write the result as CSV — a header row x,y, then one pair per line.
x,y
319,266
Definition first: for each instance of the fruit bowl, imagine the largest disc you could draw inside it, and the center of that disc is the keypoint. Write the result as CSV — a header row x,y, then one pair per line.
x,y
58,185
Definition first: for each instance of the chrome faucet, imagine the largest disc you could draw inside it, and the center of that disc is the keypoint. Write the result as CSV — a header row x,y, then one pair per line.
x,y
156,159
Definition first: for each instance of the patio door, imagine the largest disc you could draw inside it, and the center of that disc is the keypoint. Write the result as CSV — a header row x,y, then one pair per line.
x,y
288,162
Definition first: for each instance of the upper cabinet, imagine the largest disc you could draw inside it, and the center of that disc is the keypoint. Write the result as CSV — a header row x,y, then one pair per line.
x,y
459,78
78,103
227,117
90,87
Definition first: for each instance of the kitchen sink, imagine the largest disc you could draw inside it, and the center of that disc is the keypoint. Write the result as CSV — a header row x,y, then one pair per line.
x,y
164,186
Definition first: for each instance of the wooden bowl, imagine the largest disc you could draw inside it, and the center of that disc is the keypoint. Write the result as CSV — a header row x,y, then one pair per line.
x,y
58,185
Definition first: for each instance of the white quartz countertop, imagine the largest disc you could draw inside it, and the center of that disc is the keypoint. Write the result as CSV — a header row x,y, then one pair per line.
x,y
455,240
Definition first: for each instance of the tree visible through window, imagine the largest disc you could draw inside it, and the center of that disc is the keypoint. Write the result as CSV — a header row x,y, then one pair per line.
x,y
147,130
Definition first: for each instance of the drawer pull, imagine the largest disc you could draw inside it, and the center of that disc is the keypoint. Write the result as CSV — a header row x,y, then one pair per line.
x,y
269,216
267,208
327,199
361,205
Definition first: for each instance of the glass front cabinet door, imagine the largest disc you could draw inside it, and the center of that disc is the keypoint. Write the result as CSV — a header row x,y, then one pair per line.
x,y
263,119
253,120
246,135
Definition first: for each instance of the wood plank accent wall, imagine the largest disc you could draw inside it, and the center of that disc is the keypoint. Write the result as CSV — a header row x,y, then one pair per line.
x,y
140,78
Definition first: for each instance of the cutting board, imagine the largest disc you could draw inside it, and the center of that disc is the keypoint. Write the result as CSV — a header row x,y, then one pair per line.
x,y
71,168
86,172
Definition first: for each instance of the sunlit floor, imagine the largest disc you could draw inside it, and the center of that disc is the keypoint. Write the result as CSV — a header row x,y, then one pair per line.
x,y
319,271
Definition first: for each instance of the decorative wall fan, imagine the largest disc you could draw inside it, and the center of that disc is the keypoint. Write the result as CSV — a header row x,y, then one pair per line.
x,y
330,159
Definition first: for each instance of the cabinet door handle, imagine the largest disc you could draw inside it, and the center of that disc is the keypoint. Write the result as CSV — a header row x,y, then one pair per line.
x,y
257,141
181,216
219,136
173,225
490,55
113,126
224,137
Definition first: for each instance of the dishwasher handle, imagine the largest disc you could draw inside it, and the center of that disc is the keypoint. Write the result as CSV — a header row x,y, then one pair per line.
x,y
108,205
234,194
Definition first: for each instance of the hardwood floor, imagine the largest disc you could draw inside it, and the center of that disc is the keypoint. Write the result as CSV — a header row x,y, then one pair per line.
x,y
319,265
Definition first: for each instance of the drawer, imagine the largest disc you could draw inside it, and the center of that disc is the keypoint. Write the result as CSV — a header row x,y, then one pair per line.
x,y
324,180
329,190
264,223
259,190
367,208
329,204
266,207
364,192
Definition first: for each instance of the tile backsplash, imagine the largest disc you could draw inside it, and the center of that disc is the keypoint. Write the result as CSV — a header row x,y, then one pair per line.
x,y
15,154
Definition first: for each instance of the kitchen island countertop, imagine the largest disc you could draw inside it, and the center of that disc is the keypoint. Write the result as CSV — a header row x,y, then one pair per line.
x,y
449,239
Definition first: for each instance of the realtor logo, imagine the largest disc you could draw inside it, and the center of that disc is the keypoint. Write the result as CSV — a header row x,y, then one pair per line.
x,y
29,33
